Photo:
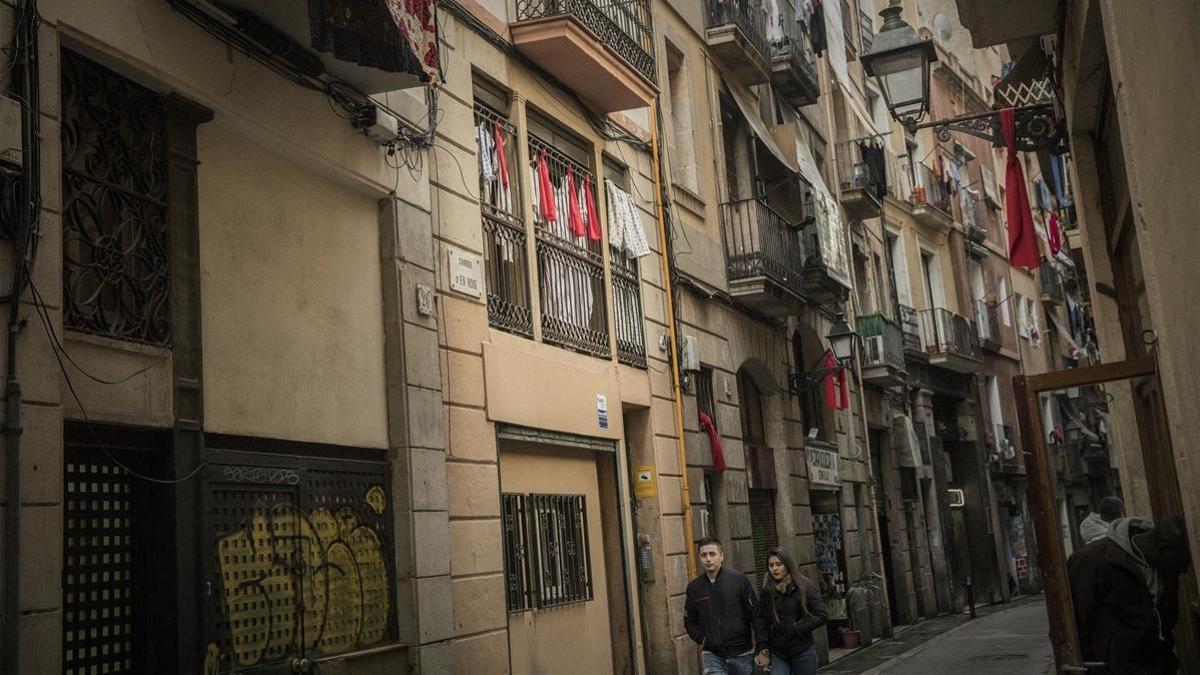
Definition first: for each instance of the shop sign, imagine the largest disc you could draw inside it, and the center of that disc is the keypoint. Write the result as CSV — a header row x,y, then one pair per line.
x,y
822,467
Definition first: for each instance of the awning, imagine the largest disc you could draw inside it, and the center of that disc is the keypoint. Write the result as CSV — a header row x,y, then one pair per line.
x,y
757,127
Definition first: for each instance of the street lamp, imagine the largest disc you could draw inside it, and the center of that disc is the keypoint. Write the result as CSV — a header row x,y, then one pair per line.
x,y
900,62
841,339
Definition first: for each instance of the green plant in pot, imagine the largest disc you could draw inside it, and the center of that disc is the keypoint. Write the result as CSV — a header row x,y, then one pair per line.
x,y
862,592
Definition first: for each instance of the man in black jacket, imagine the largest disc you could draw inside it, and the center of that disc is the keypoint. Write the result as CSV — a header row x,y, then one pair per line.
x,y
1125,588
720,614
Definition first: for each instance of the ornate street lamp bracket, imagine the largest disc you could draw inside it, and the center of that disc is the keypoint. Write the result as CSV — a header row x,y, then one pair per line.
x,y
1036,126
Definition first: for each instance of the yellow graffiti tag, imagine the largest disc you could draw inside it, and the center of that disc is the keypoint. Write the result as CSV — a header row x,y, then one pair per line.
x,y
296,581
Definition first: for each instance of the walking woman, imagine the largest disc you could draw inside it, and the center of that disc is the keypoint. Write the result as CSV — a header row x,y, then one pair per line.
x,y
790,606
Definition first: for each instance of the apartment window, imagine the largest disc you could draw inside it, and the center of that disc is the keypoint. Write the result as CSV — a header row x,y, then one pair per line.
x,y
1022,315
1003,298
750,403
705,401
547,553
570,266
626,286
708,515
505,258
877,274
812,399
116,275
682,142
862,281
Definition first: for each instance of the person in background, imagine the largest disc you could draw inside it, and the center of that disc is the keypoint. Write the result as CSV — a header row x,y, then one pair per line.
x,y
789,609
720,614
1095,526
1125,591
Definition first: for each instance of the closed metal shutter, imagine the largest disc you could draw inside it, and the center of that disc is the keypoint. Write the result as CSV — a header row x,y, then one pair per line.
x,y
762,526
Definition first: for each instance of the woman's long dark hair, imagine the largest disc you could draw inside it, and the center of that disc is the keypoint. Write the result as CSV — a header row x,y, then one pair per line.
x,y
801,581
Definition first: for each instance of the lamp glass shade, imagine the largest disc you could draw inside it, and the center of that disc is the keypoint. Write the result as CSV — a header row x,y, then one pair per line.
x,y
841,339
903,77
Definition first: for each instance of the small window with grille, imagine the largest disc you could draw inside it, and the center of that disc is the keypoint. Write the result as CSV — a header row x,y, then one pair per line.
x,y
547,555
705,402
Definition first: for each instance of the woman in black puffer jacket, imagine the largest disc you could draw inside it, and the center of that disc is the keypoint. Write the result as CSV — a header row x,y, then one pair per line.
x,y
790,606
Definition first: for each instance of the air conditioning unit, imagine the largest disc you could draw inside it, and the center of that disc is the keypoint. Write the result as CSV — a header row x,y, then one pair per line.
x,y
689,353
873,350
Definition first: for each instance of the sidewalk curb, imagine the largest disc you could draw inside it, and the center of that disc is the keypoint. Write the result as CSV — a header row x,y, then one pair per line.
x,y
877,670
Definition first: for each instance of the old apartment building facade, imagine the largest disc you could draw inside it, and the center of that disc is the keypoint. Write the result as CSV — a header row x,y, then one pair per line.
x,y
347,373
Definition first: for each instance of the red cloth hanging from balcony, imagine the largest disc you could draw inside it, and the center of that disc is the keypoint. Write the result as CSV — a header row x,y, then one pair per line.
x,y
593,220
1055,235
714,441
501,160
574,217
837,394
545,190
395,36
414,18
1022,236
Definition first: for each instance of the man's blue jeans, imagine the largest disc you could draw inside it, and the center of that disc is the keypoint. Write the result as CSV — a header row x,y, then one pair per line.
x,y
742,664
804,663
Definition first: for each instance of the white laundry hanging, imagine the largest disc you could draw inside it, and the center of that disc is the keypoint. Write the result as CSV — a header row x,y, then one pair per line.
x,y
625,232
567,293
486,144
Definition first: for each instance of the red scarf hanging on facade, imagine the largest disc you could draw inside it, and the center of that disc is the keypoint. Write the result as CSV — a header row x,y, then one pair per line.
x,y
1022,236
501,160
837,394
593,221
714,441
545,190
574,217
1055,235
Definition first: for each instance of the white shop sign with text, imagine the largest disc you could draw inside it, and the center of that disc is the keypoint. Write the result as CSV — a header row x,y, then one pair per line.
x,y
822,467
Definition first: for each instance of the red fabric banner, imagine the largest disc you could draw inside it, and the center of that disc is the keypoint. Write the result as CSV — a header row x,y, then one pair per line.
x,y
574,217
593,220
545,190
1055,235
500,158
1022,236
714,441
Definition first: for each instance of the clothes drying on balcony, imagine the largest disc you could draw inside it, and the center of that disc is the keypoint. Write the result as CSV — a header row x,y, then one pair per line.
x,y
625,231
395,36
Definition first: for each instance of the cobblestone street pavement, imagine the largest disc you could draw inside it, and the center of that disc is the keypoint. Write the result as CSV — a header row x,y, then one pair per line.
x,y
1006,639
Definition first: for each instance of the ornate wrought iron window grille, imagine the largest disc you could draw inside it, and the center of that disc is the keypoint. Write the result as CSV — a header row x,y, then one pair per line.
x,y
505,257
115,250
627,310
547,552
570,268
761,242
623,26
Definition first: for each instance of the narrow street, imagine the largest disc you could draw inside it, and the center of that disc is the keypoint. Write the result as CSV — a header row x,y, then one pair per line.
x,y
1013,640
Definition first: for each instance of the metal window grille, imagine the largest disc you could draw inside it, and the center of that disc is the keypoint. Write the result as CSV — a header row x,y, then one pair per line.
x,y
114,204
705,401
762,530
623,26
760,242
547,554
627,310
100,621
299,564
570,268
866,31
506,261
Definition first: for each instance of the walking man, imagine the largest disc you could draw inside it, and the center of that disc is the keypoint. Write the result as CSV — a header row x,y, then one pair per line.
x,y
1125,588
720,614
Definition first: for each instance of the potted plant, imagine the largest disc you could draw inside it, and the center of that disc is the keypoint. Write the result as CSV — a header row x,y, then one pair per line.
x,y
858,603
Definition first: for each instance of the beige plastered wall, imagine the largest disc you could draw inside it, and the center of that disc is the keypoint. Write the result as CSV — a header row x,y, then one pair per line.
x,y
492,377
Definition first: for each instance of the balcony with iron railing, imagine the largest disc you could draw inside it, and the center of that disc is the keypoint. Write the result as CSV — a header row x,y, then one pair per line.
x,y
987,319
570,267
1049,285
764,259
974,226
794,65
602,49
736,34
505,258
948,340
863,184
883,350
826,265
931,201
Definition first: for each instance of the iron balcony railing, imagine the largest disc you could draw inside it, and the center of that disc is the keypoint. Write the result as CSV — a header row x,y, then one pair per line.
x,y
748,15
944,332
866,31
760,242
797,46
627,310
861,173
570,268
621,25
1049,282
883,341
910,328
931,191
506,263
988,323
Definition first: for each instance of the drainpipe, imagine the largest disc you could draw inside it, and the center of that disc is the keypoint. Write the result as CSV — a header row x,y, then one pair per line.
x,y
26,30
685,494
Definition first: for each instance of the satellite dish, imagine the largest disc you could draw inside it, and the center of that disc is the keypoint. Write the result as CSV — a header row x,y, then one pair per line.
x,y
943,27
